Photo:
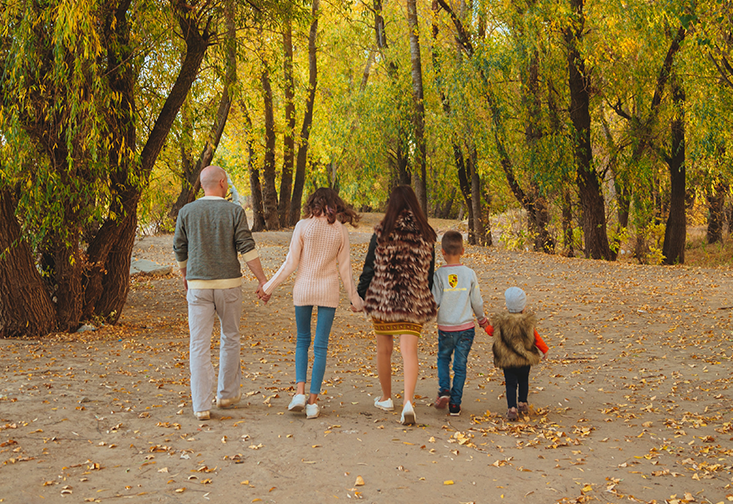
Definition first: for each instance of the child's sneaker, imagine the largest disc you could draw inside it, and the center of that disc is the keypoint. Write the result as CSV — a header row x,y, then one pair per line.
x,y
442,400
523,408
455,409
511,414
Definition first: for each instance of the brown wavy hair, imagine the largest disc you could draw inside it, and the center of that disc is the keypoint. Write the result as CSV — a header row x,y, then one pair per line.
x,y
403,198
326,202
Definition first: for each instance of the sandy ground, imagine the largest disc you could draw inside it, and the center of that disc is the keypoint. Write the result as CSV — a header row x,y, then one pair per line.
x,y
633,404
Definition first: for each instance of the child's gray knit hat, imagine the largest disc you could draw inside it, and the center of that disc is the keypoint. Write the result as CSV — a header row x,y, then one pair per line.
x,y
516,299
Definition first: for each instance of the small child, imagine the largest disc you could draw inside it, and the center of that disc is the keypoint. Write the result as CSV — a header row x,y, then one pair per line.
x,y
517,346
457,294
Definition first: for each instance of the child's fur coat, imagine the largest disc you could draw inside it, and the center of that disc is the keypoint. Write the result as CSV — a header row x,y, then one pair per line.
x,y
514,340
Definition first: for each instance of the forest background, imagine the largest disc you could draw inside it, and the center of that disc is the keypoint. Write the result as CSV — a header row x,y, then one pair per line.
x,y
606,123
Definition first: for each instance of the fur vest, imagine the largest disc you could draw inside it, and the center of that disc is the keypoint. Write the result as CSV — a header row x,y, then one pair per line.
x,y
399,289
514,340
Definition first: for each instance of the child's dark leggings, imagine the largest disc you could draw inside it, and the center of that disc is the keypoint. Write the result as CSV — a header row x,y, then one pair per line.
x,y
516,377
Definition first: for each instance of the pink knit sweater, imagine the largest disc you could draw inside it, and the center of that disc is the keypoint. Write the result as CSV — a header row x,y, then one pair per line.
x,y
320,252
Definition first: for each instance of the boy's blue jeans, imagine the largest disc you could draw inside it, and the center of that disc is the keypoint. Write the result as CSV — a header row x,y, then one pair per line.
x,y
320,344
458,344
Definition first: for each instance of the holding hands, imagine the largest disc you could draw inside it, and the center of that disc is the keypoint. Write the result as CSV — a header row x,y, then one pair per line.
x,y
261,293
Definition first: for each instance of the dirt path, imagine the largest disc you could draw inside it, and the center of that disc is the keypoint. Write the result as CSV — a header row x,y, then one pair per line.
x,y
634,402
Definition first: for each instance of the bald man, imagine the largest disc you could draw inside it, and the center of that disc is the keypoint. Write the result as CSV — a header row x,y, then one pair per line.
x,y
209,234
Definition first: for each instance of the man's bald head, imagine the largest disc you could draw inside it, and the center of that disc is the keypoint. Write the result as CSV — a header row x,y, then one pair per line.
x,y
214,181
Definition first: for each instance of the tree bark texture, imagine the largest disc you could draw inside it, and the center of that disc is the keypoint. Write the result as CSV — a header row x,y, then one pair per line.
x,y
716,212
286,178
26,307
589,184
420,172
675,233
305,131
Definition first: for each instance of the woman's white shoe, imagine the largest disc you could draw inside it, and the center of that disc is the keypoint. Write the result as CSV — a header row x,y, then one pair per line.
x,y
298,403
386,405
408,415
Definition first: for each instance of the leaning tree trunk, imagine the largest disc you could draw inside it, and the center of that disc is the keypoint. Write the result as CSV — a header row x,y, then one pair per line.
x,y
191,182
589,185
305,131
420,173
269,193
30,311
107,287
286,179
716,212
675,233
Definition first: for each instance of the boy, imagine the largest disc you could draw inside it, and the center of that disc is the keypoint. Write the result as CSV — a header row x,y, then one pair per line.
x,y
457,294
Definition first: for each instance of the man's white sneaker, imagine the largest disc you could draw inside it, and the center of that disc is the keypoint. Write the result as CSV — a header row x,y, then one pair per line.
x,y
298,403
386,405
312,410
228,403
408,415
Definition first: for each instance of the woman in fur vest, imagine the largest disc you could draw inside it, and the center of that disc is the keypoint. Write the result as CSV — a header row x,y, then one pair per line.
x,y
517,347
395,285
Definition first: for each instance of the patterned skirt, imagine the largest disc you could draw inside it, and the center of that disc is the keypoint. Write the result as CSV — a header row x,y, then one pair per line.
x,y
396,328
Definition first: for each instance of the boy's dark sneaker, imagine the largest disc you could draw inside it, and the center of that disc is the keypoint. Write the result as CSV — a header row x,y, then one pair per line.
x,y
523,408
442,400
511,414
455,409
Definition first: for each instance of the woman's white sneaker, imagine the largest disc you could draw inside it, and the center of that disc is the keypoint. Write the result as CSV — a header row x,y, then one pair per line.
x,y
408,415
312,410
386,405
298,403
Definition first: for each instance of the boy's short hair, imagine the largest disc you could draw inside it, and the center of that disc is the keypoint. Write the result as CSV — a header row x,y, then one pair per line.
x,y
452,242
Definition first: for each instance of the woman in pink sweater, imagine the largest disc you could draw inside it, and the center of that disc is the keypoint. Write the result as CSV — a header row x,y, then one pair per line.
x,y
319,250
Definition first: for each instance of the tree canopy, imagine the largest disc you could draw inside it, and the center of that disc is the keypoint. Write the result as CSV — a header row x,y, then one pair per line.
x,y
604,122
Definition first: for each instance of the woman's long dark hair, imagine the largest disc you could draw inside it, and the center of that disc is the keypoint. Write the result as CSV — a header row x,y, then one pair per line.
x,y
403,198
326,202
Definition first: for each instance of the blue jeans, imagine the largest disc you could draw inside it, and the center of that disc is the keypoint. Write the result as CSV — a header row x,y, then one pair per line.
x,y
320,344
458,344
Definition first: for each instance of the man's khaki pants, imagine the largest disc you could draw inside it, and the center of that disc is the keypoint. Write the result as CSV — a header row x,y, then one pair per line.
x,y
203,304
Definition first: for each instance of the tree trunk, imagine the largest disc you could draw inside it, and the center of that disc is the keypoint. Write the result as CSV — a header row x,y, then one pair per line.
x,y
465,185
589,186
112,246
305,131
26,308
716,212
420,173
187,162
269,193
477,210
567,221
675,232
258,211
191,182
286,178
445,100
